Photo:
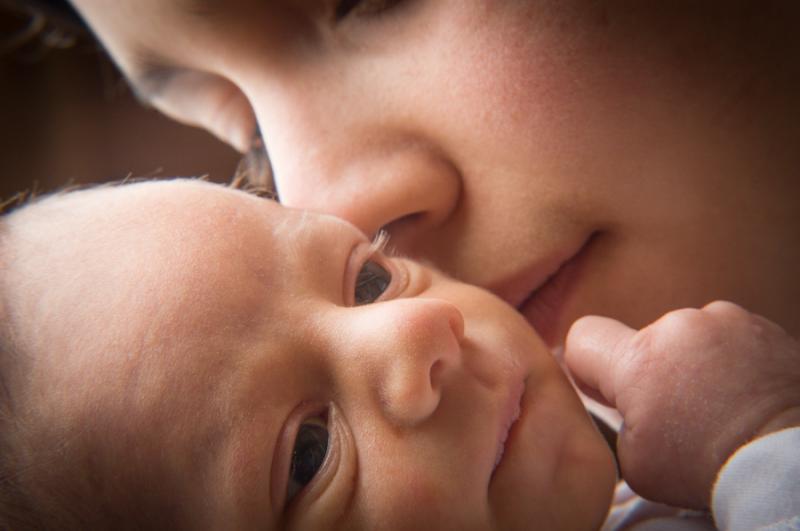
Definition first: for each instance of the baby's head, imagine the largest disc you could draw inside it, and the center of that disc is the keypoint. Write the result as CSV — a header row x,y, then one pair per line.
x,y
187,355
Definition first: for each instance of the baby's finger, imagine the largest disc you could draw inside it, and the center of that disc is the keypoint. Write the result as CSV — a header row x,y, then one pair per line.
x,y
592,350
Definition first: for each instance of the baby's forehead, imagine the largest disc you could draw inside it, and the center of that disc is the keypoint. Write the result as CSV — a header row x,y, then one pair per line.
x,y
173,209
119,249
165,241
149,296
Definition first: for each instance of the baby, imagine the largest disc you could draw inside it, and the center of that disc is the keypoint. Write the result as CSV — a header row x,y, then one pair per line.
x,y
180,354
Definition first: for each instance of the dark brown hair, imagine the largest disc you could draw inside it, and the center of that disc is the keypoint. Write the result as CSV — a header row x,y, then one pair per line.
x,y
58,12
34,27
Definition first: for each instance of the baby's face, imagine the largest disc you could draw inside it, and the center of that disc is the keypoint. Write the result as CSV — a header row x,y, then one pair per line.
x,y
226,362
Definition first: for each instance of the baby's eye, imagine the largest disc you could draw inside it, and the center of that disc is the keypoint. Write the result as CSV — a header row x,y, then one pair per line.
x,y
308,454
372,281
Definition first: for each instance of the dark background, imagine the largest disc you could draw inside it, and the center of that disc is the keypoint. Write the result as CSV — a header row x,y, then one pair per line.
x,y
66,117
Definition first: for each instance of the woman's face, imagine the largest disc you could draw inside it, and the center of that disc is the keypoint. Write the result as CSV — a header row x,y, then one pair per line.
x,y
217,361
572,156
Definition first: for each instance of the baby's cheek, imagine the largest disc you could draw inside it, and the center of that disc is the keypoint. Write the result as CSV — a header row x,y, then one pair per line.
x,y
403,495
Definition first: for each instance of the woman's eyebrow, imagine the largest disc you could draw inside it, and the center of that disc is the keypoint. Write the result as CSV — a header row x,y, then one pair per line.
x,y
148,75
200,8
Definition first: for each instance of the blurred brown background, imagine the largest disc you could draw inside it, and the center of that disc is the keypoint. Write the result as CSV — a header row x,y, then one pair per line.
x,y
66,117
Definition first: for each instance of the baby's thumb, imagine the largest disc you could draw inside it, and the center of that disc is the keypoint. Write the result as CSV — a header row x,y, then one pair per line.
x,y
592,351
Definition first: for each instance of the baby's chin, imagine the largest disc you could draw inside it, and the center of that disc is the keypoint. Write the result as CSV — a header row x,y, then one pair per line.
x,y
587,478
559,471
557,420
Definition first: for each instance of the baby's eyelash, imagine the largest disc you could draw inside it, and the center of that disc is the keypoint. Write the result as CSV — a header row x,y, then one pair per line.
x,y
379,245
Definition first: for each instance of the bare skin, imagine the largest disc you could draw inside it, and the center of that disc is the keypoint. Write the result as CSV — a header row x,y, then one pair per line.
x,y
653,145
692,387
576,158
189,332
182,335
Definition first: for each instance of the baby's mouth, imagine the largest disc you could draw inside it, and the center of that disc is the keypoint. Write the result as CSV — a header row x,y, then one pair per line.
x,y
509,416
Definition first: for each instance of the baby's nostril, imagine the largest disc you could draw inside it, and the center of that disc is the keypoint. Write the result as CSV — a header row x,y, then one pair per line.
x,y
436,373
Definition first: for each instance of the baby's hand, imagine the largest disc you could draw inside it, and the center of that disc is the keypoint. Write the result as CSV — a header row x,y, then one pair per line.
x,y
692,388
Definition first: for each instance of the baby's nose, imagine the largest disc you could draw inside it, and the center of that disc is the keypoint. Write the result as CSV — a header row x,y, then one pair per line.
x,y
414,355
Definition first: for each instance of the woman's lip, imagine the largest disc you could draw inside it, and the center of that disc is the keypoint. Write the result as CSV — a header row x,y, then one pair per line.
x,y
516,289
540,291
509,414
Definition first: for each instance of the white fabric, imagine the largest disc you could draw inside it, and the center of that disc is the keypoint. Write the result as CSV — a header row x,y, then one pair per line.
x,y
758,489
630,512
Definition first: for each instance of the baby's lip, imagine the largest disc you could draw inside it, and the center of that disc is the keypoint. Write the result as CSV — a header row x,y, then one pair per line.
x,y
509,414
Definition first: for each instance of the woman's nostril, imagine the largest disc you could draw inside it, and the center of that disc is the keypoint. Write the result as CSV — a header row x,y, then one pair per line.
x,y
397,227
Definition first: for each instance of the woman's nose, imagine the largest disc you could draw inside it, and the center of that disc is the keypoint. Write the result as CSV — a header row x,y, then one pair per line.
x,y
402,186
412,348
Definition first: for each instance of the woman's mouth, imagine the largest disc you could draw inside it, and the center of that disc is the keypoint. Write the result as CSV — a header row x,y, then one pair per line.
x,y
541,297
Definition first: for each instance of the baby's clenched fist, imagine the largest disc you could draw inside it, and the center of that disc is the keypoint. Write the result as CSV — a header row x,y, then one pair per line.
x,y
692,388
